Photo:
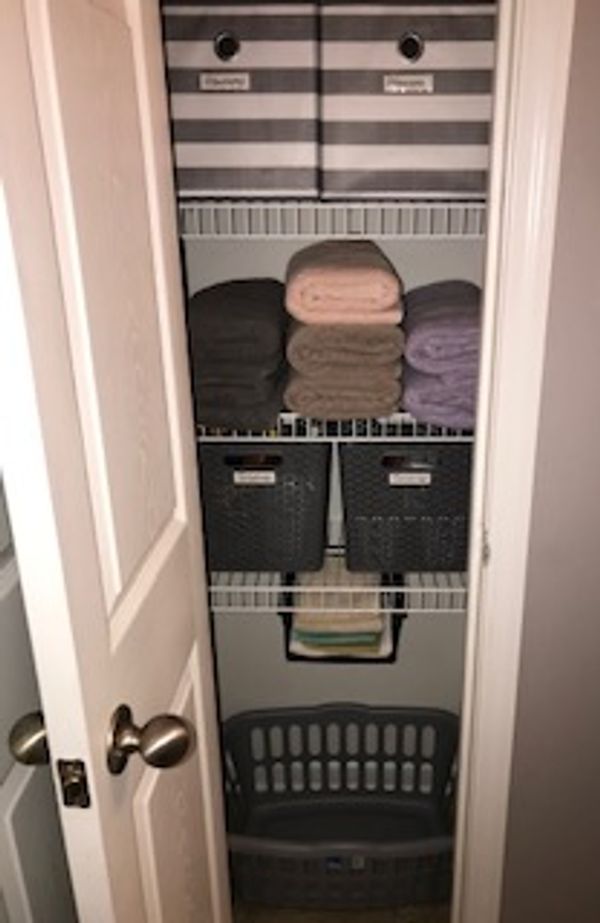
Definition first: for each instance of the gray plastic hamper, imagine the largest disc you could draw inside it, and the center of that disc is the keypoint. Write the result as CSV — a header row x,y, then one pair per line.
x,y
265,505
341,806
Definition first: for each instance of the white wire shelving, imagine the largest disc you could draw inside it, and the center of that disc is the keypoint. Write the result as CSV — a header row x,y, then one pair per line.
x,y
305,219
292,427
422,593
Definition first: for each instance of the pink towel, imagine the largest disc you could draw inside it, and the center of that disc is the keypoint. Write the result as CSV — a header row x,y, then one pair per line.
x,y
343,282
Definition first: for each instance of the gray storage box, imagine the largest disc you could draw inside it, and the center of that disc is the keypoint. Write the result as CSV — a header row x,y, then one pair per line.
x,y
407,98
243,95
265,505
341,806
406,507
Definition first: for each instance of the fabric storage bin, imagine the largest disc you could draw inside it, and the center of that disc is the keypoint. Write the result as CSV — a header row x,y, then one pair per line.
x,y
264,505
406,506
242,86
407,98
341,806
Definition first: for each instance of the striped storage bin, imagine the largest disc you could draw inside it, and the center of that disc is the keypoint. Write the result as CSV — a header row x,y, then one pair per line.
x,y
407,101
243,90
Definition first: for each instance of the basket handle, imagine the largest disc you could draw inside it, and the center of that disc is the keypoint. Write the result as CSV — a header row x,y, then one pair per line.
x,y
400,462
260,461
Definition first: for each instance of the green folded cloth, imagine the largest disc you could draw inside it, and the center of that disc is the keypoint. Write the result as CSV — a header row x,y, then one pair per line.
x,y
332,638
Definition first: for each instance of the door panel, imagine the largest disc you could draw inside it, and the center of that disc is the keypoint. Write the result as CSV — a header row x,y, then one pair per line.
x,y
100,409
174,864
109,270
35,859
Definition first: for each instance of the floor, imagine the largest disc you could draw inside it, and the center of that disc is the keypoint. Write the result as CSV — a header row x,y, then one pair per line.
x,y
425,914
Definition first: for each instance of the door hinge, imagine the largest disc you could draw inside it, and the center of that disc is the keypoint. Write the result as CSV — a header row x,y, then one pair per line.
x,y
73,783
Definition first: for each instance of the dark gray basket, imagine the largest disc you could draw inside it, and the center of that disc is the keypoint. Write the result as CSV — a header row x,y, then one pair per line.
x,y
341,806
406,507
265,505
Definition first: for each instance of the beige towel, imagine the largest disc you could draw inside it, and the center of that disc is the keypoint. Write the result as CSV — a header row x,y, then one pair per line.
x,y
345,394
338,599
343,282
313,349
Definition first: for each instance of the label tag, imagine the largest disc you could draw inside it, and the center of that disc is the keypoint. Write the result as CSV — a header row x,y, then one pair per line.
x,y
408,84
224,82
409,479
256,478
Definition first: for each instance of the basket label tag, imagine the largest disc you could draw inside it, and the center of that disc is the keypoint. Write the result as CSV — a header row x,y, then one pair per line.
x,y
224,82
256,478
408,84
409,479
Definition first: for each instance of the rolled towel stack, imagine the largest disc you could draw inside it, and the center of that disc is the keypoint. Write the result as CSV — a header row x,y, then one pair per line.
x,y
334,630
344,344
237,344
442,326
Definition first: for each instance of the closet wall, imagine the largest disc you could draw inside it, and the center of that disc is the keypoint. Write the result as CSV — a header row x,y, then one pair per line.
x,y
553,833
251,665
396,133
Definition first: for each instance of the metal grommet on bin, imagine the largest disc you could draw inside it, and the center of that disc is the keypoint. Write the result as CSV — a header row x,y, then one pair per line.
x,y
411,46
226,45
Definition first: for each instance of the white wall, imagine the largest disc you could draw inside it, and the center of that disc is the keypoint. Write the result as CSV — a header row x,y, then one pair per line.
x,y
553,832
417,262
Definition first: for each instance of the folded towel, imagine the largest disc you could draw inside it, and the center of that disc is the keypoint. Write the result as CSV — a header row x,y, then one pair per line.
x,y
343,282
242,322
338,621
379,650
345,394
331,638
440,400
313,349
442,326
244,386
337,598
236,374
254,406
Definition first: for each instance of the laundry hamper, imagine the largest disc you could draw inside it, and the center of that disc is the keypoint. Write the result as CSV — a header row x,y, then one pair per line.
x,y
341,806
406,507
264,505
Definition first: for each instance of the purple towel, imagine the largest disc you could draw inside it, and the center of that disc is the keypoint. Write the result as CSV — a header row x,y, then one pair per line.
x,y
441,400
442,327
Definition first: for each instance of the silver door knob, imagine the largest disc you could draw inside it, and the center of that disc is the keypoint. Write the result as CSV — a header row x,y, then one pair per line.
x,y
162,742
28,741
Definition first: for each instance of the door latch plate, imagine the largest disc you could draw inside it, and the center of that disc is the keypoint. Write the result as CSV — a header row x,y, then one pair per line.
x,y
73,783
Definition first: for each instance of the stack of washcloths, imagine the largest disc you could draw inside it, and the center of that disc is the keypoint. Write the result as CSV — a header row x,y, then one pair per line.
x,y
237,344
333,629
344,344
442,326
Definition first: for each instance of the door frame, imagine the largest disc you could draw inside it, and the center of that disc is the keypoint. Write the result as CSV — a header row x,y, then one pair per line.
x,y
532,80
532,77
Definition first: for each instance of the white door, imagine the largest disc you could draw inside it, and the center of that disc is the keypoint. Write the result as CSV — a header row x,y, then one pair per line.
x,y
99,451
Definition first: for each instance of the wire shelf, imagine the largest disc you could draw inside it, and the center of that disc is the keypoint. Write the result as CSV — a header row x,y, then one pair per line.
x,y
289,220
237,592
292,427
